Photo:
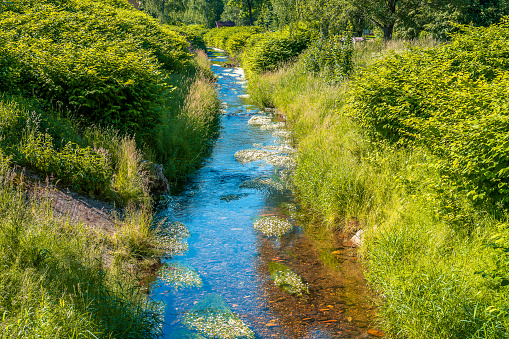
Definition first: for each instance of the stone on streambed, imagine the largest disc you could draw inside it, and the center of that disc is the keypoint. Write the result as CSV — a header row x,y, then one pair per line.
x,y
262,184
179,275
273,226
287,280
249,155
212,318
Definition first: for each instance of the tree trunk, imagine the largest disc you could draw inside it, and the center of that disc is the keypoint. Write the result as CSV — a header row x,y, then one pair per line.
x,y
250,12
388,32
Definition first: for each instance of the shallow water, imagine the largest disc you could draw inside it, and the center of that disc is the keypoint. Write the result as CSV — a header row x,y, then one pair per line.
x,y
228,258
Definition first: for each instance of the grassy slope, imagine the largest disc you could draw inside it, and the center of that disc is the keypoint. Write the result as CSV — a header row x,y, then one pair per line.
x,y
425,240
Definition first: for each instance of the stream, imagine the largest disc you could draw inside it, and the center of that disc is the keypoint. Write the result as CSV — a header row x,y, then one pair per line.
x,y
217,283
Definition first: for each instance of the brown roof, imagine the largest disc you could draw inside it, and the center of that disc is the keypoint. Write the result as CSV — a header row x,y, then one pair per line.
x,y
220,24
135,3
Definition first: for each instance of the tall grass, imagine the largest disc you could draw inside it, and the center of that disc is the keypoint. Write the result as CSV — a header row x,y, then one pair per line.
x,y
427,248
190,122
53,279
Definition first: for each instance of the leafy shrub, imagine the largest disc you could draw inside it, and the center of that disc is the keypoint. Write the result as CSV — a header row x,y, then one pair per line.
x,y
231,39
102,63
82,168
451,100
274,49
330,58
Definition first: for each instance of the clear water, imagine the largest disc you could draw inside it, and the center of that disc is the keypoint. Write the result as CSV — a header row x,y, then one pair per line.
x,y
227,253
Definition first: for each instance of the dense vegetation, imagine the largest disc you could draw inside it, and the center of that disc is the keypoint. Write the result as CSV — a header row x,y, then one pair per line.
x,y
93,95
407,140
388,19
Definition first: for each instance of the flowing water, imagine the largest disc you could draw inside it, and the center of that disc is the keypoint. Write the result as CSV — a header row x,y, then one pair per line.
x,y
218,283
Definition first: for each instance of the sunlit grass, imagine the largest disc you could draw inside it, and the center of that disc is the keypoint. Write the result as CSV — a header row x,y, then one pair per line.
x,y
425,245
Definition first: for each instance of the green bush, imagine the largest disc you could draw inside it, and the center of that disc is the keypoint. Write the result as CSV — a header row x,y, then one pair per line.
x,y
451,100
330,58
82,168
103,64
274,49
230,39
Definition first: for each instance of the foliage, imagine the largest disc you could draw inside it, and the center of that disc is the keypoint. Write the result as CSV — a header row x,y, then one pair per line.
x,y
190,123
331,58
434,254
54,281
189,12
271,50
230,39
81,168
101,63
450,100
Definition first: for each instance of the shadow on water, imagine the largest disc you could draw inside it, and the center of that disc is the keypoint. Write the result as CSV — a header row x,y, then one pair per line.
x,y
221,286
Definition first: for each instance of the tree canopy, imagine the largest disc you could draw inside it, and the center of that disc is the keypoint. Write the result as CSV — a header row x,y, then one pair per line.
x,y
390,18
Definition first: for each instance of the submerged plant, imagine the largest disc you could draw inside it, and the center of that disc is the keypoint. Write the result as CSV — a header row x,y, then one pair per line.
x,y
213,318
273,226
178,275
287,280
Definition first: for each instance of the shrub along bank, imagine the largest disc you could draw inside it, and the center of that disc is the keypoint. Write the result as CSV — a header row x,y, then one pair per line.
x,y
261,51
92,94
411,148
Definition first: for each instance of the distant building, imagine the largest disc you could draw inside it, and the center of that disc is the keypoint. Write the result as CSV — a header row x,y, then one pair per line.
x,y
220,24
135,3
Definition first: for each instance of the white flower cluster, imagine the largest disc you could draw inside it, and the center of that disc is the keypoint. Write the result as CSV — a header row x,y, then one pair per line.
x,y
249,155
259,120
220,325
262,184
282,133
280,161
179,276
290,282
272,126
171,238
273,226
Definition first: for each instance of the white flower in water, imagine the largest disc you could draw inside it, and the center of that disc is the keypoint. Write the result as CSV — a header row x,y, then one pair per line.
x,y
171,238
272,126
217,324
280,161
282,133
250,155
259,120
179,276
262,184
290,282
273,226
